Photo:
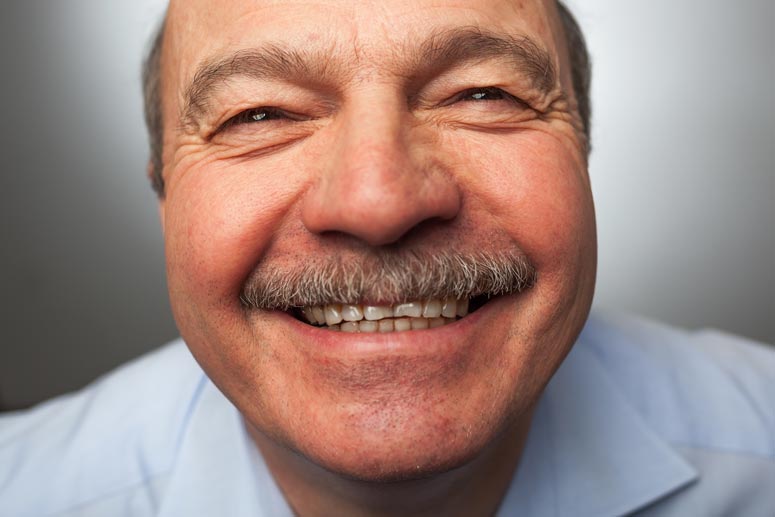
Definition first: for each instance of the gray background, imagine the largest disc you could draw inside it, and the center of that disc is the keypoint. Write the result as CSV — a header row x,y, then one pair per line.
x,y
683,172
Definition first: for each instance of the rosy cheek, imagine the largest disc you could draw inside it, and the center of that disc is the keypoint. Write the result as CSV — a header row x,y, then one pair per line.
x,y
220,220
535,189
559,204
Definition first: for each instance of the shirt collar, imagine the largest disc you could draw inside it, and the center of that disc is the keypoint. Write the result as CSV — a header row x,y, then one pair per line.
x,y
218,469
589,453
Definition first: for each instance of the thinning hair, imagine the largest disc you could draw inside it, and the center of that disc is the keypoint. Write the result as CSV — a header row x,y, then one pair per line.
x,y
151,79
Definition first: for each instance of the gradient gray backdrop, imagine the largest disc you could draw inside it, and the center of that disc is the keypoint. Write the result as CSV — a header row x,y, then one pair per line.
x,y
683,172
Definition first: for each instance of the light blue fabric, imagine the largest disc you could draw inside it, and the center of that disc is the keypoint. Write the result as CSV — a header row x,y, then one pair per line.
x,y
641,419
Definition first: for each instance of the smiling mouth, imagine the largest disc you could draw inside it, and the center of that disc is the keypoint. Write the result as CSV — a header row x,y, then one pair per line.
x,y
389,290
415,315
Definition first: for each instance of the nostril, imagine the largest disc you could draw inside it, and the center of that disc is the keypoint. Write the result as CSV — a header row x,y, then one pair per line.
x,y
380,227
379,203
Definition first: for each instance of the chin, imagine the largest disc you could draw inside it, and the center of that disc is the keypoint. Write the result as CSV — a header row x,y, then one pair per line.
x,y
394,451
375,468
412,429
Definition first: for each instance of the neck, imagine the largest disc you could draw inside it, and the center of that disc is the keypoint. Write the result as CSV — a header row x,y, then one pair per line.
x,y
476,488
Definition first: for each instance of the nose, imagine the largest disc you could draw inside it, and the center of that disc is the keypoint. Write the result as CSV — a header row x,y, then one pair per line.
x,y
379,178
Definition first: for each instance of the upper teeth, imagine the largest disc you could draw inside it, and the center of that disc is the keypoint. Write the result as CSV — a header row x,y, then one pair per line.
x,y
372,318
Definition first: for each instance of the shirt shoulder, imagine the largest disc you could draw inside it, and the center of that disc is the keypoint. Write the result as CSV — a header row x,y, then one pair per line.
x,y
119,435
703,389
710,396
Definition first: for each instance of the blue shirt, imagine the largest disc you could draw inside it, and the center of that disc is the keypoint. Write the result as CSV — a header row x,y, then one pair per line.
x,y
641,419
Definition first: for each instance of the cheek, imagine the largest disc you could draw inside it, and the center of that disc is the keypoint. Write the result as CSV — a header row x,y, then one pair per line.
x,y
219,220
536,189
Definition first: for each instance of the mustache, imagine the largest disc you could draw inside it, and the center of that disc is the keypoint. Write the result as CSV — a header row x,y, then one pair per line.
x,y
387,277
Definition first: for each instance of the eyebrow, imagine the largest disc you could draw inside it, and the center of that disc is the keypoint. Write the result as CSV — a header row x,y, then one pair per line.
x,y
440,51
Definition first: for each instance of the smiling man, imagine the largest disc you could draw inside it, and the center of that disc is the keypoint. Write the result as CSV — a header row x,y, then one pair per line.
x,y
358,200
380,244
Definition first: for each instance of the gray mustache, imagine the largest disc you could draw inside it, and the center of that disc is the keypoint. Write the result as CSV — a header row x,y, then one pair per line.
x,y
388,278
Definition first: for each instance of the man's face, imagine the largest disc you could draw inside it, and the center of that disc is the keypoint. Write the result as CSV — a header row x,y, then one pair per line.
x,y
373,153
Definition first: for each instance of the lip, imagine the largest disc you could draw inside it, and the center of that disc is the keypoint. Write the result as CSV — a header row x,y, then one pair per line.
x,y
440,340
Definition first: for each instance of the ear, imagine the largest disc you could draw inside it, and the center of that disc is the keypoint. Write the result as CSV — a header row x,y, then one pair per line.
x,y
150,172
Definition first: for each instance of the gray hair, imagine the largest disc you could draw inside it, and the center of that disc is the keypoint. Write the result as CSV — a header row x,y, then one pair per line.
x,y
388,276
151,76
581,75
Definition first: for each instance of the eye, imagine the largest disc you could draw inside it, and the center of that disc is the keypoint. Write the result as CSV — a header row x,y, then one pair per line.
x,y
488,94
488,97
486,107
484,94
261,115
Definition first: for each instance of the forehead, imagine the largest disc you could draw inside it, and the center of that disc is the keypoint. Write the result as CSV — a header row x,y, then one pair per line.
x,y
368,29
